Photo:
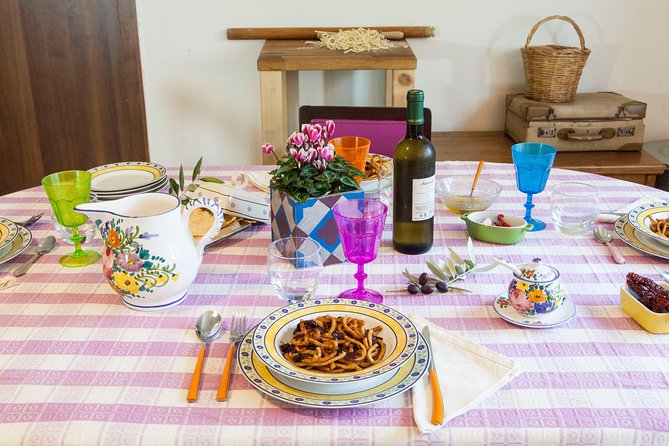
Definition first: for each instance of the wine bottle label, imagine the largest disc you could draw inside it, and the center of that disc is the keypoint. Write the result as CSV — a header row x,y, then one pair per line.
x,y
423,199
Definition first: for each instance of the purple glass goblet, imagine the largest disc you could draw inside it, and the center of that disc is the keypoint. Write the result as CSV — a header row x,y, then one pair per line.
x,y
360,224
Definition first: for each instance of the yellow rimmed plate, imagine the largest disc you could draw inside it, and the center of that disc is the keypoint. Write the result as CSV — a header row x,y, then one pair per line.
x,y
19,244
260,377
8,232
640,219
397,331
638,240
125,176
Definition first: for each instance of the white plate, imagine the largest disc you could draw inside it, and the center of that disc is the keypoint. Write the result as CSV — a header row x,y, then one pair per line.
x,y
117,195
639,217
637,240
256,372
119,177
19,244
398,332
564,313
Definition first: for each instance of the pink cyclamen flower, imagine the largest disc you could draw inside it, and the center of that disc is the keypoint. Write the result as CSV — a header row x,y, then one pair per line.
x,y
320,164
293,152
314,133
298,139
267,148
330,127
327,152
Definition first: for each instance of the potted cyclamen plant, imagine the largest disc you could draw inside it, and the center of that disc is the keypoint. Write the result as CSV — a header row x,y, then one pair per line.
x,y
309,180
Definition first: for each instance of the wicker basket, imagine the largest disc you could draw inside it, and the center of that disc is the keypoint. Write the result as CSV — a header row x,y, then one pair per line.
x,y
552,72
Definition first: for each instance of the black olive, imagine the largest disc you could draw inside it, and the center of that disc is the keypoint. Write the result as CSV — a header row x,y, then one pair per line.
x,y
423,279
413,288
442,287
426,289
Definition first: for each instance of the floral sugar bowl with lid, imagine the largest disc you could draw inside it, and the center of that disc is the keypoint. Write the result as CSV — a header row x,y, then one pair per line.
x,y
535,288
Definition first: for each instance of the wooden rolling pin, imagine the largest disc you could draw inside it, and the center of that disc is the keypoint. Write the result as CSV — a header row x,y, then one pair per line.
x,y
310,33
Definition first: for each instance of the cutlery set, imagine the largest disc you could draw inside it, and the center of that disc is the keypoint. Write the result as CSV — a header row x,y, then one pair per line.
x,y
208,328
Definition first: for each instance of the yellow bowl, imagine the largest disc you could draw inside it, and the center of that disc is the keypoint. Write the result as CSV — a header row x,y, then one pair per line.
x,y
653,322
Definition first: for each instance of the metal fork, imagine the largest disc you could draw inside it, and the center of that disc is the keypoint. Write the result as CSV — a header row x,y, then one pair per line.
x,y
237,333
29,221
663,273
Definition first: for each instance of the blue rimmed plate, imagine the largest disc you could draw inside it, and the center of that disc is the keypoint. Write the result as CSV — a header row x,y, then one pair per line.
x,y
260,377
125,176
398,332
641,218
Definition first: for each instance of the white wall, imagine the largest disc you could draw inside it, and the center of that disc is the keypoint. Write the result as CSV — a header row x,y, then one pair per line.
x,y
202,93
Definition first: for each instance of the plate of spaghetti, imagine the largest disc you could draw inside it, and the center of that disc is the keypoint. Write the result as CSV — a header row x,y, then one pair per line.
x,y
652,220
335,341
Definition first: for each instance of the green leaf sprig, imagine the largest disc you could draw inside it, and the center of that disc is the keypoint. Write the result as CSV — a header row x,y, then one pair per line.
x,y
179,187
306,182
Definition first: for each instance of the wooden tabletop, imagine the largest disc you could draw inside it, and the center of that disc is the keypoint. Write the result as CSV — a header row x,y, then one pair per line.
x,y
296,55
494,146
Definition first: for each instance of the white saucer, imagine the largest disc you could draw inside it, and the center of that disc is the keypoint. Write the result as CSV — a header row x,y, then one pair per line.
x,y
559,316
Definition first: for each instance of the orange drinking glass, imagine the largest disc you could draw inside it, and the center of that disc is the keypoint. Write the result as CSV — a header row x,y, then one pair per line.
x,y
354,149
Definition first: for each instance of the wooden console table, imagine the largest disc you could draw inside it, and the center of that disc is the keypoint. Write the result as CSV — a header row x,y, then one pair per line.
x,y
279,56
637,167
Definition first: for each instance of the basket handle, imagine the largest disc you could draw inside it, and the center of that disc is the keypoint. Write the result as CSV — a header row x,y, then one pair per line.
x,y
554,17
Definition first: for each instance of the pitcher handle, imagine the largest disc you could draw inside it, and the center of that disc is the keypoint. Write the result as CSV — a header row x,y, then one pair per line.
x,y
206,203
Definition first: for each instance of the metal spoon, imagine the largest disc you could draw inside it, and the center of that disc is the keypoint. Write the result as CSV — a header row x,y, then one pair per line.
x,y
602,235
663,273
47,245
208,328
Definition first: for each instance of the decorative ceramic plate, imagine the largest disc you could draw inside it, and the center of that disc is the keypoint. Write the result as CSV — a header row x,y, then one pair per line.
x,y
564,313
19,244
376,162
638,240
150,188
640,218
120,177
8,232
398,332
260,377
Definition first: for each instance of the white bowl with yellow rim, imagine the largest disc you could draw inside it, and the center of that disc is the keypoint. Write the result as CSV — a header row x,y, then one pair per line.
x,y
8,232
641,218
398,333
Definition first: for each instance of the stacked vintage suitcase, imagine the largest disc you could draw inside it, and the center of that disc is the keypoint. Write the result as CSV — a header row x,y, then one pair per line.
x,y
551,112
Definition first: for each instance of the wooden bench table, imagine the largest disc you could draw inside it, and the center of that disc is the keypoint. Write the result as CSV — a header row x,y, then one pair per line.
x,y
638,167
280,56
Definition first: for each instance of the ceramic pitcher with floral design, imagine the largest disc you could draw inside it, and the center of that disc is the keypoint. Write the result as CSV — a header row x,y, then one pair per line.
x,y
537,290
150,256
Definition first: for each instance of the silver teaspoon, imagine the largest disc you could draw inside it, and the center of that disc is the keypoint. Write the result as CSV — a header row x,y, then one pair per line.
x,y
603,235
47,245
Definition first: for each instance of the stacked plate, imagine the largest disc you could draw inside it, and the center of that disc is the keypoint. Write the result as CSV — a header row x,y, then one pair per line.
x,y
404,363
14,239
118,180
635,229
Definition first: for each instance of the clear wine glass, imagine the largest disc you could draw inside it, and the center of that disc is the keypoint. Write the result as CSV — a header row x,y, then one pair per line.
x,y
360,224
533,162
294,265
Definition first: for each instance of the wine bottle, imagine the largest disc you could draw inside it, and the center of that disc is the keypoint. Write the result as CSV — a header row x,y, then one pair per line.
x,y
413,183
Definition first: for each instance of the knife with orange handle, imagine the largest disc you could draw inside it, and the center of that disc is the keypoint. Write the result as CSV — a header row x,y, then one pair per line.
x,y
437,400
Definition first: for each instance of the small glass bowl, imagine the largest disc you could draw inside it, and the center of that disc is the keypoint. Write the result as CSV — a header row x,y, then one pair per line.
x,y
454,194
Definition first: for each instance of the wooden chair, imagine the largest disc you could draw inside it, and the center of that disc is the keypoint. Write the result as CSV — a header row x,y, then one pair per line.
x,y
384,126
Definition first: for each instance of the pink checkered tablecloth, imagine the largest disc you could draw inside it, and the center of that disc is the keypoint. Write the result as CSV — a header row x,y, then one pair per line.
x,y
78,367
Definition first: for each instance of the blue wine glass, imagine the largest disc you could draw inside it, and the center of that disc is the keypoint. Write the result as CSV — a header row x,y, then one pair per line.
x,y
533,162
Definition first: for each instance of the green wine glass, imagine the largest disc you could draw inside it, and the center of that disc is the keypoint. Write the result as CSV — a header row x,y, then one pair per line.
x,y
66,190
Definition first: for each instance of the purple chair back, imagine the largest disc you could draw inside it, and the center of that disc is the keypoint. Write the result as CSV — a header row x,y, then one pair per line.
x,y
383,126
384,135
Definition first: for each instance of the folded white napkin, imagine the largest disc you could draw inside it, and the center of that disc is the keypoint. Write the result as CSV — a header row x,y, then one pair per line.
x,y
468,373
611,218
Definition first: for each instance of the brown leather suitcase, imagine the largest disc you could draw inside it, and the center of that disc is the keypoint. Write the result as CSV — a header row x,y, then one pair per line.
x,y
591,122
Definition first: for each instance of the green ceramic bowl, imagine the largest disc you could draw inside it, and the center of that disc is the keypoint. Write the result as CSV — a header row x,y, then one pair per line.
x,y
496,234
